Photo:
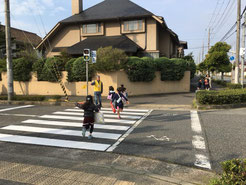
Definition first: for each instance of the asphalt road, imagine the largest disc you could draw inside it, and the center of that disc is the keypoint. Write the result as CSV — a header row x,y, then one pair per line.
x,y
163,135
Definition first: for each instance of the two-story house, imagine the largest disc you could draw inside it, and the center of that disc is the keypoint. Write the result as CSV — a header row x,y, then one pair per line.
x,y
118,23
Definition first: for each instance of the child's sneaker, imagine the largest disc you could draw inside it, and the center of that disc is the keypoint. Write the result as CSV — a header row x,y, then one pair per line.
x,y
90,137
83,131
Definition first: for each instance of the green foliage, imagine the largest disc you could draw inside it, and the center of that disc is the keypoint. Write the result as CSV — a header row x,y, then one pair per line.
x,y
220,82
217,58
68,68
38,68
52,69
64,56
233,86
191,64
229,96
173,69
234,173
2,43
159,63
110,59
22,68
79,70
140,70
202,67
3,65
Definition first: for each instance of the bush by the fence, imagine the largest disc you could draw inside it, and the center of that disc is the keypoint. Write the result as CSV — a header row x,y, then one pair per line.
x,y
68,68
22,68
230,96
38,68
159,63
52,69
79,70
234,172
110,59
140,70
173,69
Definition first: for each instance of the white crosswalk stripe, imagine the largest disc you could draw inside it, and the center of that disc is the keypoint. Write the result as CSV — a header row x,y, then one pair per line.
x,y
109,112
74,124
81,119
106,115
47,130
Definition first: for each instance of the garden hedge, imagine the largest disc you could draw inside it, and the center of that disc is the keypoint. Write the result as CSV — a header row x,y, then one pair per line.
x,y
229,96
22,68
140,70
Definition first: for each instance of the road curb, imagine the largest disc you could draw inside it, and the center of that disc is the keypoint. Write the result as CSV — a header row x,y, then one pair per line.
x,y
227,106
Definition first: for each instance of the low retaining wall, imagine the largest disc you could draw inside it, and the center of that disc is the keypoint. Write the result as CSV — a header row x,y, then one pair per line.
x,y
114,79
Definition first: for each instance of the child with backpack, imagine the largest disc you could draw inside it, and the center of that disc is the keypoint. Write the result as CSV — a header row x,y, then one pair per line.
x,y
119,98
110,95
89,109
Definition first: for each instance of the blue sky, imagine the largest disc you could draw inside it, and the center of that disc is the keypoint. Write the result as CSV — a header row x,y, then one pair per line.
x,y
188,18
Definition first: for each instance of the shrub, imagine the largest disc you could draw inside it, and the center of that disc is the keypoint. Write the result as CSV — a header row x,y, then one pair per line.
x,y
68,68
220,82
159,63
22,68
110,59
191,67
3,65
172,69
234,172
233,86
79,70
38,68
52,69
140,70
230,96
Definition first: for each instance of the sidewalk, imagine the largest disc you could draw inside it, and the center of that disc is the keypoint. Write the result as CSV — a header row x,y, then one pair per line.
x,y
119,170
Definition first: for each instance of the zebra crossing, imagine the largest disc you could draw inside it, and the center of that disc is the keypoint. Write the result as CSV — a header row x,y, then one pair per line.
x,y
63,129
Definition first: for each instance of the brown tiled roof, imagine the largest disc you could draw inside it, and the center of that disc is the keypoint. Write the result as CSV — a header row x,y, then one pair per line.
x,y
24,36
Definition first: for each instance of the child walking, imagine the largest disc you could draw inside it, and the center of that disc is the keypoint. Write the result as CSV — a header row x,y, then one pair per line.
x,y
89,108
118,97
110,95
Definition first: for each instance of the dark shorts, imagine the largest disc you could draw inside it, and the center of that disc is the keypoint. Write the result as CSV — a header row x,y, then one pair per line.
x,y
88,120
120,106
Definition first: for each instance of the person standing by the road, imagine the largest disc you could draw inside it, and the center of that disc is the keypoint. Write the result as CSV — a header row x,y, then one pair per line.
x,y
207,82
98,90
89,108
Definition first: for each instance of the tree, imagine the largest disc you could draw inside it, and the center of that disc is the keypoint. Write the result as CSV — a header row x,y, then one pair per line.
x,y
191,64
110,59
217,58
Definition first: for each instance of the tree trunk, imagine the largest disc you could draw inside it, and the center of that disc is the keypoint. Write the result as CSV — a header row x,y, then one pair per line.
x,y
222,75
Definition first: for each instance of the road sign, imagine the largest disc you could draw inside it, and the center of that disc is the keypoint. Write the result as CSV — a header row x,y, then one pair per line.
x,y
232,58
94,56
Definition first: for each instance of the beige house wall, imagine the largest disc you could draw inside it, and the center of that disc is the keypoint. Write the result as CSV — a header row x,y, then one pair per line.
x,y
66,37
114,79
157,41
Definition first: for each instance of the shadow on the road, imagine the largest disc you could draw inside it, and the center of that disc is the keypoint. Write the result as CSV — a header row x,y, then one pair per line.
x,y
168,117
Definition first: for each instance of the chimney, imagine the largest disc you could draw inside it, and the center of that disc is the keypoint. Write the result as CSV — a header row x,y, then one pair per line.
x,y
77,6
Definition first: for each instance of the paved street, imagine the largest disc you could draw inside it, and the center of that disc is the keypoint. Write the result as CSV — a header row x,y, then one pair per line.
x,y
189,138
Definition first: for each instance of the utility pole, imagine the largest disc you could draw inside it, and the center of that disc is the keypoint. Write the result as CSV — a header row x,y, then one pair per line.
x,y
238,42
8,51
208,39
243,55
202,51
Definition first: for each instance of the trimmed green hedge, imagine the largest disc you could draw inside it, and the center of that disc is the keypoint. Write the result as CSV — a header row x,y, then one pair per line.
x,y
68,68
230,96
140,70
233,86
22,68
79,70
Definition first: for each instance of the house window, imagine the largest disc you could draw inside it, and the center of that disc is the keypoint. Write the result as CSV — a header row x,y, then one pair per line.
x,y
92,28
136,25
